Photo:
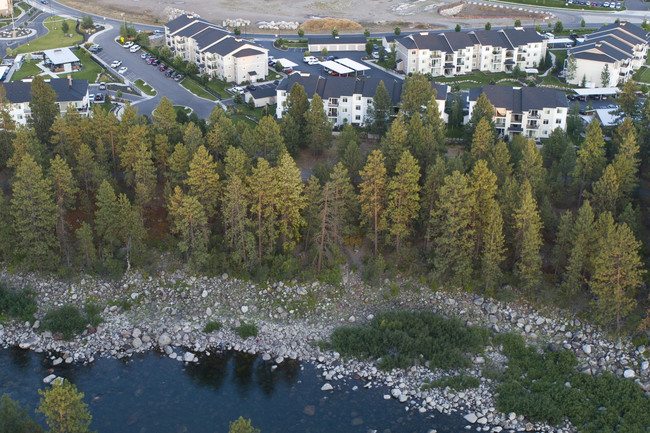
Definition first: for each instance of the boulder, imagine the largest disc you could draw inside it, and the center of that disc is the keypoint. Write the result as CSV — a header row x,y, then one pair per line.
x,y
26,344
586,348
136,333
326,387
49,379
188,357
629,374
244,309
471,418
136,343
164,340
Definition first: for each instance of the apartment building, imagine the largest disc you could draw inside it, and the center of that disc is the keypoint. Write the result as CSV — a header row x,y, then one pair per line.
x,y
619,48
216,51
533,112
347,99
457,53
69,92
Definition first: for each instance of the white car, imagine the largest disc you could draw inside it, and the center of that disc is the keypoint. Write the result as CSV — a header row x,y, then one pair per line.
x,y
122,70
116,64
143,55
309,59
127,44
134,48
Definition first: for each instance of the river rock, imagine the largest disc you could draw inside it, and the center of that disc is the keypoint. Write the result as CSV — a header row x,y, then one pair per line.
x,y
136,343
136,333
164,340
49,379
326,387
586,348
188,357
471,418
28,343
629,374
244,309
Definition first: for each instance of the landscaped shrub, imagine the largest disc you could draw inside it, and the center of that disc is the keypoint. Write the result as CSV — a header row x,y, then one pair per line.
x,y
17,304
67,320
399,338
211,326
246,330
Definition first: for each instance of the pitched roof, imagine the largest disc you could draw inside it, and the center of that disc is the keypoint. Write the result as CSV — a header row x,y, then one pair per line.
x,y
492,38
519,36
426,41
192,29
59,56
248,52
624,29
209,36
265,91
459,40
179,23
596,57
20,91
520,99
354,39
309,82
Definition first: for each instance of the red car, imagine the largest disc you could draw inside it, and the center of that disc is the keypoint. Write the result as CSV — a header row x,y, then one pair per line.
x,y
288,71
163,68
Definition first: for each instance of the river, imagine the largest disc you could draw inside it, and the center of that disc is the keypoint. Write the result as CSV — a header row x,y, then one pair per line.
x,y
150,393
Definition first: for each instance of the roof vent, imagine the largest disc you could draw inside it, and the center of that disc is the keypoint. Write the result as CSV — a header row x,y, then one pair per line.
x,y
424,33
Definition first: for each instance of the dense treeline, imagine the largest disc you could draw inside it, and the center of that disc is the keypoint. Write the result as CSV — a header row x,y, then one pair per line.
x,y
102,194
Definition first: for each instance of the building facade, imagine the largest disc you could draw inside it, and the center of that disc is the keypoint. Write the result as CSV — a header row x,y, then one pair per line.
x,y
619,49
69,93
347,99
216,51
533,112
457,53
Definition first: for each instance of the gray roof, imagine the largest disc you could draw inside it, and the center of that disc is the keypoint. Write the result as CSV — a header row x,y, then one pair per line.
x,y
492,38
441,91
265,91
179,23
192,29
518,36
596,57
426,41
459,40
311,83
624,27
20,91
248,52
354,39
226,46
519,100
209,36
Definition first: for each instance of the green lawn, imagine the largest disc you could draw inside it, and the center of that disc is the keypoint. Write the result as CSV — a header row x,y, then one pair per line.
x,y
187,110
257,113
244,119
560,56
480,77
28,69
91,69
147,89
24,6
643,75
196,88
579,31
219,87
55,37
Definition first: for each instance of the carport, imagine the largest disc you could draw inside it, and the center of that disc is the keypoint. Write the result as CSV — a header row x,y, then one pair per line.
x,y
598,91
286,63
334,68
356,66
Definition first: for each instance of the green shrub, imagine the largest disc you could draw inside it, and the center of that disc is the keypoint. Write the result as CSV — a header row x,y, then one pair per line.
x,y
66,320
93,313
400,338
246,330
18,305
211,326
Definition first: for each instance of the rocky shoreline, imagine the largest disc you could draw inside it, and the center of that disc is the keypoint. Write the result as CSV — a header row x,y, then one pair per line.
x,y
168,313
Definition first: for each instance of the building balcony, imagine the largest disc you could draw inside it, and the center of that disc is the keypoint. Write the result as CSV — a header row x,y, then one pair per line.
x,y
533,116
532,126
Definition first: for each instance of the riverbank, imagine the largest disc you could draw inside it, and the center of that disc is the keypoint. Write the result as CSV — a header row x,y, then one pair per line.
x,y
168,312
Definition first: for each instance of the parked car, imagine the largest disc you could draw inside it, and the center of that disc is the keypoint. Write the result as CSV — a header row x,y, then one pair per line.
x,y
237,89
179,77
150,60
122,70
99,97
128,44
44,2
288,71
158,32
163,68
95,48
169,73
572,97
331,57
308,59
102,86
116,64
134,48
251,87
375,54
91,97
144,55
156,62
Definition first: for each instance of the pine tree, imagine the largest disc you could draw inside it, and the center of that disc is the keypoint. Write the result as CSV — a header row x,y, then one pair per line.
x,y
164,118
26,142
381,110
591,156
269,140
436,133
498,161
144,175
353,160
242,425
7,127
563,242
529,240
191,224
318,129
237,225
344,203
106,219
403,201
105,129
87,170
6,229
203,181
33,212
161,153
221,132
454,232
179,165
493,252
192,137
15,419
626,161
418,139
618,273
312,212
483,109
237,163
290,201
86,245
43,108
582,249
433,182
372,192
294,122
530,168
348,136
606,191
416,93
395,142
128,225
64,408
483,184
65,189
482,140
264,191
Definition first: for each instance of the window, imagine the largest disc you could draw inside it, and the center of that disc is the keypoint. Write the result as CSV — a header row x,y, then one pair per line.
x,y
545,122
357,107
358,97
344,99
558,121
357,117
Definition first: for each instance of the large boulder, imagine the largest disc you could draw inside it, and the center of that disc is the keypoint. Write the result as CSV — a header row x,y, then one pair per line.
x,y
164,340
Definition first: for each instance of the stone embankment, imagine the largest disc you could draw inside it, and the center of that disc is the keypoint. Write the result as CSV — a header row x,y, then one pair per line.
x,y
168,313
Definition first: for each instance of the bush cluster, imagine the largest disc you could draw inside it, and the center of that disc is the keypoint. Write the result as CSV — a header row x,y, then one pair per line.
x,y
69,320
246,330
16,304
403,338
211,326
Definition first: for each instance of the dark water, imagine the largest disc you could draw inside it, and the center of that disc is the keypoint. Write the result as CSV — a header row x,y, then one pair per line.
x,y
152,393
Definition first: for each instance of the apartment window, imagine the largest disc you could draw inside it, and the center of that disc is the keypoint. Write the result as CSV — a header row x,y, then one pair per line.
x,y
558,121
547,111
414,52
357,107
358,97
344,99
545,122
357,117
344,109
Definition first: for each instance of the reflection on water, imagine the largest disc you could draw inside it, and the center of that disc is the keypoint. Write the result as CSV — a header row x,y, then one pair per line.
x,y
151,393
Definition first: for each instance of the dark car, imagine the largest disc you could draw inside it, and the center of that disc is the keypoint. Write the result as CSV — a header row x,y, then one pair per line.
x,y
163,68
572,97
251,87
99,97
169,73
155,62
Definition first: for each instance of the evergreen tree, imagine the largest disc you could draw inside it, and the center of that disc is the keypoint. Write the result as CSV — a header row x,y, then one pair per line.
x,y
563,242
88,172
65,189
483,109
235,202
313,212
453,243
493,251
237,163
380,111
144,175
416,93
164,118
6,229
626,161
353,160
607,191
403,198
395,142
106,219
618,273
591,156
7,128
179,165
64,408
161,153
203,181
317,127
297,106
86,246
290,201
498,161
530,168
433,182
582,248
221,132
264,191
269,139
482,140
43,108
242,425
529,240
192,137
627,101
190,222
436,134
33,212
14,419
128,226
344,203
483,184
348,135
372,194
